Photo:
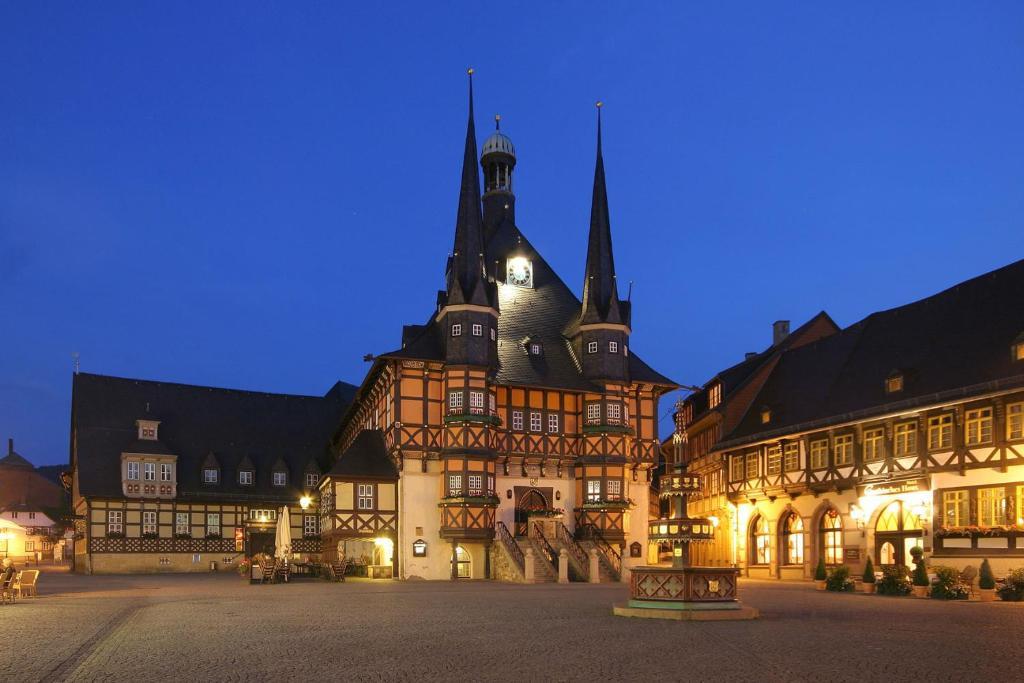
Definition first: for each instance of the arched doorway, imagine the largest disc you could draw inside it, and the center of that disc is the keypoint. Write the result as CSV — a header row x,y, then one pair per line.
x,y
792,545
897,530
463,564
830,537
529,501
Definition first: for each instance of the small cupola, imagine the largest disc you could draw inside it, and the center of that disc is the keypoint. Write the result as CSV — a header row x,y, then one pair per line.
x,y
148,429
498,158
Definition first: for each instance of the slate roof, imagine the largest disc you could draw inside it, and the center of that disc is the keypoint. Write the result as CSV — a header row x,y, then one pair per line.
x,y
547,313
954,342
366,457
202,424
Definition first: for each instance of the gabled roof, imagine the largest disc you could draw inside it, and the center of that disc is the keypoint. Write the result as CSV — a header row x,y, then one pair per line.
x,y
366,457
203,426
13,460
953,340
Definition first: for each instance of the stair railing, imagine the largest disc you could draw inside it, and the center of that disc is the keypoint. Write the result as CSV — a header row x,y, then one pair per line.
x,y
511,546
564,536
610,555
545,548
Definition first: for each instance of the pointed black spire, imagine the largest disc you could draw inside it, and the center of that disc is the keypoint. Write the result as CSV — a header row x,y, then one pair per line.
x,y
600,293
467,281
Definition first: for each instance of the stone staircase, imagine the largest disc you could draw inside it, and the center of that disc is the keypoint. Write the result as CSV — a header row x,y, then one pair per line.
x,y
543,570
607,572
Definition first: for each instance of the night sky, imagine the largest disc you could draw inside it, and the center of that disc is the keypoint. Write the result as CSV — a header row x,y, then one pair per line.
x,y
256,195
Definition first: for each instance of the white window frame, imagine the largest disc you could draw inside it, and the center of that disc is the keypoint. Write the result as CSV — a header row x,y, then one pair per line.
x,y
614,487
149,471
614,412
115,521
593,413
182,523
149,525
213,523
279,478
478,330
133,471
166,473
613,347
455,401
517,420
593,490
535,349
535,421
365,496
476,402
245,477
454,484
310,526
312,479
552,423
475,485
211,475
592,347
457,330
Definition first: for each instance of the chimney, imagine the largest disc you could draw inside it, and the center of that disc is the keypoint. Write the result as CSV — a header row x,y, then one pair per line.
x,y
749,354
780,330
10,446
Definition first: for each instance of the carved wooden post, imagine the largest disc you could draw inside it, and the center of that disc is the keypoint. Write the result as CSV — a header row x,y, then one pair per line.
x,y
528,571
595,567
563,566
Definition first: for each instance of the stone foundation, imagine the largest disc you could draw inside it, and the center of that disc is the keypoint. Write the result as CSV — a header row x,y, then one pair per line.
x,y
156,563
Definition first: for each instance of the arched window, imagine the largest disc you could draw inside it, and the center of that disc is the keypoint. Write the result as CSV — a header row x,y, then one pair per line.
x,y
792,539
831,535
462,563
897,530
760,541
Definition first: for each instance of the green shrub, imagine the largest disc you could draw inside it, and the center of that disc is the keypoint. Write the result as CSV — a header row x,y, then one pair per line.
x,y
917,552
948,586
819,571
869,572
839,580
1012,589
921,575
986,580
894,581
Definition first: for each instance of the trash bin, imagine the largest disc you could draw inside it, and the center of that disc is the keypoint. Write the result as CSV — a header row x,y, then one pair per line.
x,y
213,566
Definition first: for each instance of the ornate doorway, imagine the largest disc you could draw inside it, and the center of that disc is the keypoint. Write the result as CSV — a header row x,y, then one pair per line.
x,y
528,500
896,532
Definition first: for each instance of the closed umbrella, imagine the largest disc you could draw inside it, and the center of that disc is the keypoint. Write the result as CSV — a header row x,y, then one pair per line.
x,y
283,537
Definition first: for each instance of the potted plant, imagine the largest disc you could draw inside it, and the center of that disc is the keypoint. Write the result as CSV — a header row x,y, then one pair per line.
x,y
244,568
948,585
1012,589
894,581
839,580
986,582
868,579
921,582
820,575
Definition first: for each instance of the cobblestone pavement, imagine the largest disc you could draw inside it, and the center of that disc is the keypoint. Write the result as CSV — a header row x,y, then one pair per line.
x,y
199,628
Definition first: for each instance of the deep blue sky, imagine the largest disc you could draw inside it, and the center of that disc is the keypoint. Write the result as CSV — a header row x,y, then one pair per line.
x,y
256,195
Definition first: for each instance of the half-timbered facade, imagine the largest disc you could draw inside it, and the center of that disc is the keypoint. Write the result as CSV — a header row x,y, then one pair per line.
x,y
515,400
171,477
905,429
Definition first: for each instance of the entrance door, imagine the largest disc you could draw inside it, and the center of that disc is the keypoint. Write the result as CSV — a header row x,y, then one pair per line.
x,y
530,501
260,542
896,532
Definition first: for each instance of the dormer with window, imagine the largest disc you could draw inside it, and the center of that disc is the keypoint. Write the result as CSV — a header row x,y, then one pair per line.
x,y
279,473
246,472
148,468
532,346
148,429
1017,348
715,395
311,476
894,382
210,470
766,415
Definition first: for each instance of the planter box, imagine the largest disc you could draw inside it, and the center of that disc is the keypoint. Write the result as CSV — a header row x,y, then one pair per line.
x,y
820,585
986,594
867,587
920,591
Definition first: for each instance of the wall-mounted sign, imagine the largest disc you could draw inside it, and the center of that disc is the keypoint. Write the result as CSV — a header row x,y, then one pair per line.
x,y
888,488
635,549
419,548
239,539
851,554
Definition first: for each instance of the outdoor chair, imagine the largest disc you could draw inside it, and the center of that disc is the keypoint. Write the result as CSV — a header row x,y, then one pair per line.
x,y
26,583
337,570
967,577
7,591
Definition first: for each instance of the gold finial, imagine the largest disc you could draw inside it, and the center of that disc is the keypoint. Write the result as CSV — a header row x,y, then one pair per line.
x,y
469,71
599,104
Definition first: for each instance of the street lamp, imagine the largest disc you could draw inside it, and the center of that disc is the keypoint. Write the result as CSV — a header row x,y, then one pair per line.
x,y
305,502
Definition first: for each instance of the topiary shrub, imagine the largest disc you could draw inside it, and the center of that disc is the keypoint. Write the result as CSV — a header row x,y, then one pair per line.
x,y
948,586
839,580
819,572
894,581
1012,589
986,579
869,572
920,576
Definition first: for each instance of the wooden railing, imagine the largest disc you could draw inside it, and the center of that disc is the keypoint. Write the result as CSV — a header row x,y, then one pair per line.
x,y
565,537
545,548
610,555
511,546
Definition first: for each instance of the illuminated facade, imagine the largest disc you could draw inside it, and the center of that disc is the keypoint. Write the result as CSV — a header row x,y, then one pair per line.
x,y
518,419
905,429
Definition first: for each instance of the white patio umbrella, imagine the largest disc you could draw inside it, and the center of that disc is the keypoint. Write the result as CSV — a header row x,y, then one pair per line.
x,y
283,537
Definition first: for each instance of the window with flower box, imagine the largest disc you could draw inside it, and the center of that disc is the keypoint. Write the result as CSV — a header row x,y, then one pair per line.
x,y
476,402
993,507
940,432
593,413
115,522
614,413
182,527
454,484
149,522
593,490
213,524
310,526
475,483
454,402
614,487
978,426
955,508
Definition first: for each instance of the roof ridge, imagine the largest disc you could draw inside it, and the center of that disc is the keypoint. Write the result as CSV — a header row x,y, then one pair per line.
x,y
136,380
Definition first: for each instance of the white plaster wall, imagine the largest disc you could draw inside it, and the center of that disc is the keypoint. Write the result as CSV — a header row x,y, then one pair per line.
x,y
418,496
636,528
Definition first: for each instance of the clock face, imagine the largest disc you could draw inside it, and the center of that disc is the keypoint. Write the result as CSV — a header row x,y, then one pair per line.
x,y
520,272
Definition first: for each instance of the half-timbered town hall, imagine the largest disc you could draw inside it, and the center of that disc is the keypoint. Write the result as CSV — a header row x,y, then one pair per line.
x,y
511,428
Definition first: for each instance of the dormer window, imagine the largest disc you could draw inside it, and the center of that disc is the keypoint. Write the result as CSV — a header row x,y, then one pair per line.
x,y
312,479
766,415
1017,349
715,395
613,347
456,330
592,347
894,383
246,477
280,478
211,475
535,349
147,429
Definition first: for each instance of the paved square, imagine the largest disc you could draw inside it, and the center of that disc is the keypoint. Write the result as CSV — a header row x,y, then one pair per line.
x,y
131,628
